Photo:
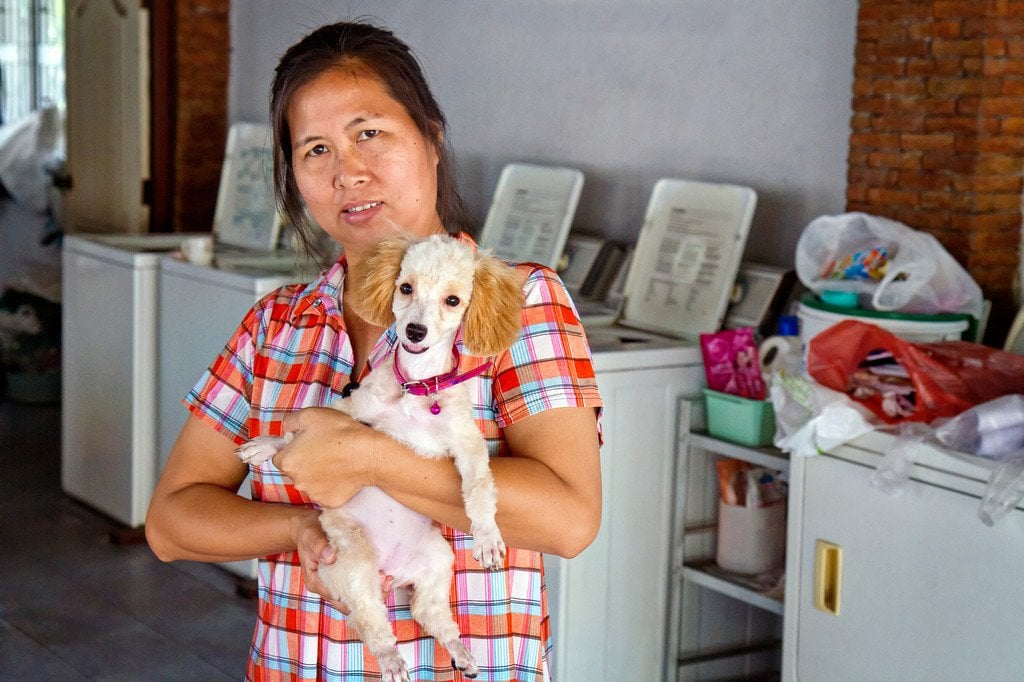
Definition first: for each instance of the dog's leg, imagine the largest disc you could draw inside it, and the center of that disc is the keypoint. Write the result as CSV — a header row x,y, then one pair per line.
x,y
431,608
480,497
260,449
354,580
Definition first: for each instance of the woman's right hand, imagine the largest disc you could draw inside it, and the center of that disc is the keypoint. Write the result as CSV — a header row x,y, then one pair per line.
x,y
315,550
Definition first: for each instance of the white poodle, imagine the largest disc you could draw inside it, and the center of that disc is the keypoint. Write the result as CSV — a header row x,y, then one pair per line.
x,y
429,289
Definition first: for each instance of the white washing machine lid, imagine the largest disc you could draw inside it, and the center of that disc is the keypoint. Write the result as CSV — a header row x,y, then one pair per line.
x,y
531,213
129,249
687,257
246,215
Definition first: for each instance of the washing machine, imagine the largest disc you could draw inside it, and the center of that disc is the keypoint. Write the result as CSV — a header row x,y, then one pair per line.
x,y
650,371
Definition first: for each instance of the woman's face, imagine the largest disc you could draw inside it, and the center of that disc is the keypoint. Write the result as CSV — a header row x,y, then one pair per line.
x,y
362,166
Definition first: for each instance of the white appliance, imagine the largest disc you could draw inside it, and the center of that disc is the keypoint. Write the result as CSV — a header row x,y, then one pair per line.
x,y
200,307
108,415
610,605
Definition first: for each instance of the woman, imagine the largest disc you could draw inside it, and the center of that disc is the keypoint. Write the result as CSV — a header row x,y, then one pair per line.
x,y
360,154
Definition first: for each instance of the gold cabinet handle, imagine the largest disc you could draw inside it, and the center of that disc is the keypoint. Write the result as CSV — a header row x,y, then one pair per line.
x,y
828,577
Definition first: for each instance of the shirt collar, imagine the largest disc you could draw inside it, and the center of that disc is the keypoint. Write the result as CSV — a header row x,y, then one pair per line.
x,y
322,295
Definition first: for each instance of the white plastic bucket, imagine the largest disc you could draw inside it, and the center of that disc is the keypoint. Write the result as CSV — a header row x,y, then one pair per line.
x,y
751,539
814,321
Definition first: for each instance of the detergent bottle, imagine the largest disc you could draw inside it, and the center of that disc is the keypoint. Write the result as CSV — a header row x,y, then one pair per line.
x,y
782,352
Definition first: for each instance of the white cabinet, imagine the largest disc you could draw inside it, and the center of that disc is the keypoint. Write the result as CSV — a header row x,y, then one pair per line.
x,y
721,625
923,590
609,605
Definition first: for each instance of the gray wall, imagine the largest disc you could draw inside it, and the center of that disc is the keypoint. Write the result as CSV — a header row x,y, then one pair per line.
x,y
753,92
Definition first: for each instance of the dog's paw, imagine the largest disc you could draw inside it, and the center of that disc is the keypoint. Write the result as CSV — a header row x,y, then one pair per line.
x,y
462,659
259,450
489,548
392,667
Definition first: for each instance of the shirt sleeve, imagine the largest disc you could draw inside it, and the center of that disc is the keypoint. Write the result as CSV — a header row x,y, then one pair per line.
x,y
550,364
223,395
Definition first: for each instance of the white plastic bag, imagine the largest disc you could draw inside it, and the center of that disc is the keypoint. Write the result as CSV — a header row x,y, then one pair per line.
x,y
811,418
28,146
920,277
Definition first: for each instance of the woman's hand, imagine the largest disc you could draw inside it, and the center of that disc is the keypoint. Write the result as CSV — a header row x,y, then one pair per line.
x,y
314,551
331,456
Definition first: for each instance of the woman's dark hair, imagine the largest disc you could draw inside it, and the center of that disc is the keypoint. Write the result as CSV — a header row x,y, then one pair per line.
x,y
394,64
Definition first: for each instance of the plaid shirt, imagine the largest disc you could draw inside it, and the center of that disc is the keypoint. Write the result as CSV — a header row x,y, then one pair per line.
x,y
292,351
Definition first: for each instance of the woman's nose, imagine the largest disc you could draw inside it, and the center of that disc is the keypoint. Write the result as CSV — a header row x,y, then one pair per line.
x,y
350,171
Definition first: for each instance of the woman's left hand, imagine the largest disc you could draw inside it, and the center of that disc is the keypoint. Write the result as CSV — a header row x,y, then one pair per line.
x,y
331,456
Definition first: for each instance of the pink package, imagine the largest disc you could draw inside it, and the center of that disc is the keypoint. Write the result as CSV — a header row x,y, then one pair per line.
x,y
731,364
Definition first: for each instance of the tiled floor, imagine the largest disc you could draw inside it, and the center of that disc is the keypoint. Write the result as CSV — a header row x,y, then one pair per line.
x,y
76,606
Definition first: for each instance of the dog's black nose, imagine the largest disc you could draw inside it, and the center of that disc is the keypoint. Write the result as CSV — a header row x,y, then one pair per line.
x,y
415,332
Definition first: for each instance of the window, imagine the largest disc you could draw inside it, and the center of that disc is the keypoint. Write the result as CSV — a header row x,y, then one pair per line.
x,y
31,56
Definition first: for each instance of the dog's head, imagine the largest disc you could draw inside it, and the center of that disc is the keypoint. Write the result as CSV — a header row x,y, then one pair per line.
x,y
431,287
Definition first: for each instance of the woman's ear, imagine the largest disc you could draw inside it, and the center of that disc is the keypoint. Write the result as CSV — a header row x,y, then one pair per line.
x,y
494,317
373,284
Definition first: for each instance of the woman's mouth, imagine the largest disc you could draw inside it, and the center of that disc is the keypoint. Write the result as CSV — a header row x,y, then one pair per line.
x,y
363,207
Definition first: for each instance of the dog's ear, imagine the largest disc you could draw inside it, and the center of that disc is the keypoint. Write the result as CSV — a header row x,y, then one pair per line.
x,y
374,282
493,319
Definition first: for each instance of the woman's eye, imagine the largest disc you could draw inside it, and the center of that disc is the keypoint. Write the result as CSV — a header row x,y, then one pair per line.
x,y
452,301
367,134
405,288
317,150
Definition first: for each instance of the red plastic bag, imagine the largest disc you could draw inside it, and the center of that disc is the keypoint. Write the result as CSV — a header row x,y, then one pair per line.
x,y
943,378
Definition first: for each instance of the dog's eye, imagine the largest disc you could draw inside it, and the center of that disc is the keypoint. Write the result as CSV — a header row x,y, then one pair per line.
x,y
405,288
452,301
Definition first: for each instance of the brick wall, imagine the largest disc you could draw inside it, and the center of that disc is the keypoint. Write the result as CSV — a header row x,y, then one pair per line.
x,y
201,63
937,134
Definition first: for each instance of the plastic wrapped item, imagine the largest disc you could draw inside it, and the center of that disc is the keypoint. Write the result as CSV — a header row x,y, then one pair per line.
x,y
991,429
944,378
731,363
847,252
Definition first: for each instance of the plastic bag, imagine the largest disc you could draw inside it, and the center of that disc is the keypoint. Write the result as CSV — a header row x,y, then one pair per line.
x,y
992,429
28,145
811,418
850,251
1005,489
945,378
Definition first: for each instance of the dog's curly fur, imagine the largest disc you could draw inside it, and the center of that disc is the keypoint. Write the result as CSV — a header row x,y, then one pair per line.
x,y
430,289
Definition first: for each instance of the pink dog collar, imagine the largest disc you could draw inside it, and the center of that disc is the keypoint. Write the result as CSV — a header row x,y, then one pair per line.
x,y
439,382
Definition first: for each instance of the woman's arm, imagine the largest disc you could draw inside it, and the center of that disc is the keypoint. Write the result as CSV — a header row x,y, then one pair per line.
x,y
196,514
549,490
